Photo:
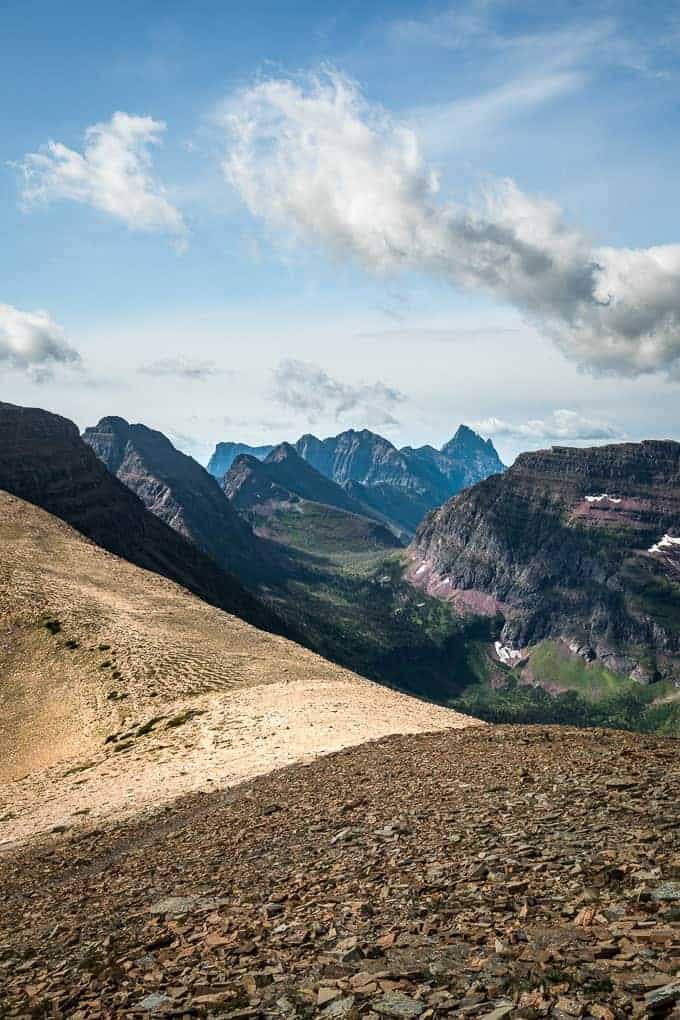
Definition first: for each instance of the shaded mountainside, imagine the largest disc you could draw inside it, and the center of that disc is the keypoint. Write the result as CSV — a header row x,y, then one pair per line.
x,y
284,498
485,873
175,488
576,544
44,461
226,453
282,474
398,484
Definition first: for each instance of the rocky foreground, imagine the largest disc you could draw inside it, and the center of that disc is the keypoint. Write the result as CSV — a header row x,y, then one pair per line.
x,y
490,872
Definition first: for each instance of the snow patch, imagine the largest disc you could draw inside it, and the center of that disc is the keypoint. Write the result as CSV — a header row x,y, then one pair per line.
x,y
602,498
508,656
665,544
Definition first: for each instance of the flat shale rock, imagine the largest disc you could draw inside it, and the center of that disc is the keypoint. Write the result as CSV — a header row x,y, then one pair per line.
x,y
519,872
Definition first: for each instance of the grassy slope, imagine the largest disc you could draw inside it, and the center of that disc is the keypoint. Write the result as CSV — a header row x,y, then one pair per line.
x,y
591,695
323,530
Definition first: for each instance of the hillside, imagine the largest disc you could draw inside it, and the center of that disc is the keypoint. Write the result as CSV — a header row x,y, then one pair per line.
x,y
286,499
177,490
44,461
485,873
569,546
121,689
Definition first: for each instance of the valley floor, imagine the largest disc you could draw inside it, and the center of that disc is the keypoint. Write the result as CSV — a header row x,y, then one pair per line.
x,y
484,872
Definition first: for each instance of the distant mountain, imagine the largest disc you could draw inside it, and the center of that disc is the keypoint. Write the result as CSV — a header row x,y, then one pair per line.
x,y
405,484
226,453
464,460
44,461
175,488
399,486
285,498
574,545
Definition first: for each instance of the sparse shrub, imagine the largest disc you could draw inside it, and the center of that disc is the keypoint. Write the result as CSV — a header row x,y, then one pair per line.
x,y
71,644
147,727
53,626
183,717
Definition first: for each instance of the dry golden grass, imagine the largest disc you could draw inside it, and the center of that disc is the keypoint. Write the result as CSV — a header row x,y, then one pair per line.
x,y
119,689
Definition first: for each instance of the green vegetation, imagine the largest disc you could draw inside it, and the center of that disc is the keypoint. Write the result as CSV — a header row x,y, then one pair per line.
x,y
652,592
325,530
406,639
550,662
631,708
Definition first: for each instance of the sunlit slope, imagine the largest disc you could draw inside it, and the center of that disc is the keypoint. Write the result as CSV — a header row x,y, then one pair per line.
x,y
92,646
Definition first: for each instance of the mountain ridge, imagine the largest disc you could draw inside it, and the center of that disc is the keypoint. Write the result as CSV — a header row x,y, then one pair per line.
x,y
563,545
177,489
44,461
398,485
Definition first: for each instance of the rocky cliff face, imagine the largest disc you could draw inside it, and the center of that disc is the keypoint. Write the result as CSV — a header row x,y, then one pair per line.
x,y
177,490
44,461
226,453
577,543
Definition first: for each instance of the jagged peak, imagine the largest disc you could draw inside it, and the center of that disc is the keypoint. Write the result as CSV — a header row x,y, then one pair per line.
x,y
284,451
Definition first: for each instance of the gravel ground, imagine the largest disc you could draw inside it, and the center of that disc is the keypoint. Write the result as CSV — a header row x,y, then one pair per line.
x,y
485,872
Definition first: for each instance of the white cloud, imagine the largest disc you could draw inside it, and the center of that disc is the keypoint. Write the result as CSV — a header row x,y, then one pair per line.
x,y
317,159
180,367
113,174
306,388
34,343
444,127
562,425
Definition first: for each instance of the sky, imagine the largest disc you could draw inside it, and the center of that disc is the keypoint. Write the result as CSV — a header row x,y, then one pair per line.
x,y
246,221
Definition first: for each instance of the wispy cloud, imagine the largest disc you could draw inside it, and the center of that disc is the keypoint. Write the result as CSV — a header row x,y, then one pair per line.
x,y
444,127
315,158
112,174
181,367
309,390
563,425
34,343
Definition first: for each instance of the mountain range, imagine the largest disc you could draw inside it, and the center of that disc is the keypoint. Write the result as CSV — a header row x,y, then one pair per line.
x,y
559,576
285,498
398,485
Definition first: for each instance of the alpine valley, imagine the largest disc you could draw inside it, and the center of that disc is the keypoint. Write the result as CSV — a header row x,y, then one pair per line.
x,y
545,592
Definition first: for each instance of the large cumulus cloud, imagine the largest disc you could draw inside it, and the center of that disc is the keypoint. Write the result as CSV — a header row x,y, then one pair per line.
x,y
316,158
34,343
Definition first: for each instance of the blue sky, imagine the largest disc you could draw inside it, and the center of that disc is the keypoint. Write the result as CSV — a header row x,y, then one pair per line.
x,y
218,307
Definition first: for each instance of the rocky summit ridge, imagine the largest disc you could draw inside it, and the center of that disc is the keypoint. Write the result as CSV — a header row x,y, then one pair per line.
x,y
400,486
